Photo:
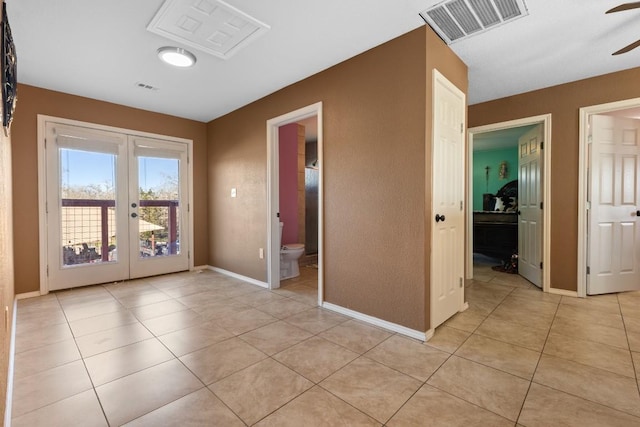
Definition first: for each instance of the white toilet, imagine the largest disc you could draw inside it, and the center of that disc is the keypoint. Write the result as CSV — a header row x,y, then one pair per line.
x,y
289,256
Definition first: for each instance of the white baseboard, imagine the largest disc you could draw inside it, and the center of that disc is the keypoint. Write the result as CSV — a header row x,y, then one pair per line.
x,y
28,295
563,292
239,276
200,267
393,327
12,351
429,334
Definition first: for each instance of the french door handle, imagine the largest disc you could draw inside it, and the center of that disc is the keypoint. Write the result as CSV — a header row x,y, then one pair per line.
x,y
637,213
439,218
134,215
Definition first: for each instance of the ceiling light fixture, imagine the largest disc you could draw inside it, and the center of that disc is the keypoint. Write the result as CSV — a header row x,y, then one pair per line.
x,y
177,56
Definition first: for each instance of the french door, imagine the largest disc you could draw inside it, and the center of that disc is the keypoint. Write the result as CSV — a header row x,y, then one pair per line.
x,y
115,206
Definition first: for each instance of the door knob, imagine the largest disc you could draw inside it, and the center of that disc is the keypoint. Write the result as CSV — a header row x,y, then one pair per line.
x,y
439,218
133,205
518,213
134,215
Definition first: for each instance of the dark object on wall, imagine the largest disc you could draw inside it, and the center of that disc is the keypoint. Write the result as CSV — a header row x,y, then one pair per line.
x,y
9,76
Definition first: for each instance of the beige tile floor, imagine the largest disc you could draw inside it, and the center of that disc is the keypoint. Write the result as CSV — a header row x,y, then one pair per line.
x,y
204,349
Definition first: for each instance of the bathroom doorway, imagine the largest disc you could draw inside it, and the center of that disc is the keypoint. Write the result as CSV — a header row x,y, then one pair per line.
x,y
295,196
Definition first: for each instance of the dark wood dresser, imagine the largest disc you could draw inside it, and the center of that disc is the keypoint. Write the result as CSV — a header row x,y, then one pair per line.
x,y
495,234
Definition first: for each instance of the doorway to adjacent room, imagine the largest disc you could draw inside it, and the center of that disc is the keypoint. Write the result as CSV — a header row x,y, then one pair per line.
x,y
278,211
507,200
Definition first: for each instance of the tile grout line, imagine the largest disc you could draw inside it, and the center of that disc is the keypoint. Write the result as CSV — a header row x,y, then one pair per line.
x,y
586,365
230,338
502,300
450,355
524,401
636,369
175,357
84,364
359,356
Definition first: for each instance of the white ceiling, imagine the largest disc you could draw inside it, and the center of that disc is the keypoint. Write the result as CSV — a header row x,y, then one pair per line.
x,y
101,49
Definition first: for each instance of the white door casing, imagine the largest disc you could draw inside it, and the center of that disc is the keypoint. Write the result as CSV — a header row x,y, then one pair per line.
x,y
545,121
273,197
447,215
613,244
121,148
530,219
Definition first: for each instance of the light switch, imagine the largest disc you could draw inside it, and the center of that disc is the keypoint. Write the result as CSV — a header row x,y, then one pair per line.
x,y
261,253
234,193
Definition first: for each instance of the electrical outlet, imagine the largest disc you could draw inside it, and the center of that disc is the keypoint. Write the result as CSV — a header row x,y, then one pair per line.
x,y
261,253
234,192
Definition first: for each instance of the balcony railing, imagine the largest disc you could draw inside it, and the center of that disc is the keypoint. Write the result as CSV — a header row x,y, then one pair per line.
x,y
106,229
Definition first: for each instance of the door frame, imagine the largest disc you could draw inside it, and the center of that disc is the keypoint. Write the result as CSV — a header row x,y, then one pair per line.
x,y
42,184
273,196
545,120
583,205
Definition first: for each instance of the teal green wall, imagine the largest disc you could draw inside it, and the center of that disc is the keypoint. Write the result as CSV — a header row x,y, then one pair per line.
x,y
492,158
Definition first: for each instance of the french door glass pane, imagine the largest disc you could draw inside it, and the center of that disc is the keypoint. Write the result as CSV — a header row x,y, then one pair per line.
x,y
88,205
159,211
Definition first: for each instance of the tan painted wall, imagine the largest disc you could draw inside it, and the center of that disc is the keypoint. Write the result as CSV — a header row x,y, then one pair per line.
x,y
33,101
563,102
374,108
6,263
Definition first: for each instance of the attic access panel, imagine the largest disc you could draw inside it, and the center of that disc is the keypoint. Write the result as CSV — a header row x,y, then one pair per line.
x,y
456,20
212,26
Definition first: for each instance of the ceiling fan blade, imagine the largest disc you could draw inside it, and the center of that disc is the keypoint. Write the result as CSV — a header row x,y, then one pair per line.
x,y
627,48
625,6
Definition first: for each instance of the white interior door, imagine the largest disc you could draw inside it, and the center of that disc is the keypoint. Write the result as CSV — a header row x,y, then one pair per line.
x,y
530,206
447,232
114,206
614,196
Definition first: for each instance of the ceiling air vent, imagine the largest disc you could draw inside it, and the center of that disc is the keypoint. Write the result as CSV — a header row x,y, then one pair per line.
x,y
146,86
456,20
